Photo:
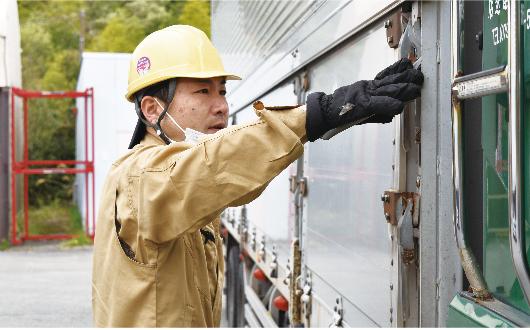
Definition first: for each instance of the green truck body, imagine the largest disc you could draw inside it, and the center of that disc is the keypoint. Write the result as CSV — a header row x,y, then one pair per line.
x,y
511,308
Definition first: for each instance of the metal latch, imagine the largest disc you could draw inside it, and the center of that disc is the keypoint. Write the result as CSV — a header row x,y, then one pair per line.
x,y
406,234
393,30
294,183
274,264
391,199
306,295
301,83
306,298
253,235
337,316
242,226
261,252
405,239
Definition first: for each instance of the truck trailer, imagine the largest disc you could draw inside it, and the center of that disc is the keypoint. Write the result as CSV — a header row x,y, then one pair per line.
x,y
417,223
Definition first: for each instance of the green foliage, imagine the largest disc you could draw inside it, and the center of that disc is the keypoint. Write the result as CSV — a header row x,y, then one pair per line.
x,y
197,14
36,48
47,189
50,40
123,27
80,240
56,217
112,42
4,245
77,220
76,228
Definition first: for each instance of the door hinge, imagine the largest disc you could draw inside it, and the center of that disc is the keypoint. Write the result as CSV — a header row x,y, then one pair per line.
x,y
242,228
393,30
294,283
390,201
306,295
337,316
294,183
301,83
274,263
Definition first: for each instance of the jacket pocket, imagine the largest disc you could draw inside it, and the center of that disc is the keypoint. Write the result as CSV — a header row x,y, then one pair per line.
x,y
189,312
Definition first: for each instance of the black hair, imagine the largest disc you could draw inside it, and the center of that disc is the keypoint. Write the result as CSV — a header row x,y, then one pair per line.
x,y
159,90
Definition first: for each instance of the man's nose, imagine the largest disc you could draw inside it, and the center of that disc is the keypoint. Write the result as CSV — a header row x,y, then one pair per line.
x,y
220,106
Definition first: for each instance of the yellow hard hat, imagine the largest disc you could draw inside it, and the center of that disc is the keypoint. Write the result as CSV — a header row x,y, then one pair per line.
x,y
176,51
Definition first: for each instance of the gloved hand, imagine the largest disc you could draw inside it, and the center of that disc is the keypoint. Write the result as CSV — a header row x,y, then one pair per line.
x,y
366,101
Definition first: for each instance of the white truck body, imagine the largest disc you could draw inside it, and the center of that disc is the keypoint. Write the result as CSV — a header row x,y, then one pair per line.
x,y
351,268
114,118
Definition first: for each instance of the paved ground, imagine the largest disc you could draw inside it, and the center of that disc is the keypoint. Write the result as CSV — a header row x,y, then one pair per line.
x,y
43,286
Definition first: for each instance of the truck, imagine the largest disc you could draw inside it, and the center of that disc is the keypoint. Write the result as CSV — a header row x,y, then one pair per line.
x,y
417,223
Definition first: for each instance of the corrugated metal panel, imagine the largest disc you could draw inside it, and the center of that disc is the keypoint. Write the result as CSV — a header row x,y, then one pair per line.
x,y
346,237
441,272
257,40
257,29
258,45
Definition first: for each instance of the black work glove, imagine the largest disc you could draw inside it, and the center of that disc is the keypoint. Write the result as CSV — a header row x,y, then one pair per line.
x,y
366,101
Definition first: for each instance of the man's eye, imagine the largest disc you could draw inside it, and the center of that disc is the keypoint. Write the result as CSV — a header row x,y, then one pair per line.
x,y
222,93
203,91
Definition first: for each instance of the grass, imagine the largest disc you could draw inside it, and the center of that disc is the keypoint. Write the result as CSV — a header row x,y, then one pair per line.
x,y
77,228
4,245
80,240
57,217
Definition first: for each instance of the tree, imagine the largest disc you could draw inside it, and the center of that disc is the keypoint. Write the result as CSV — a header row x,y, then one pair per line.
x,y
197,14
50,32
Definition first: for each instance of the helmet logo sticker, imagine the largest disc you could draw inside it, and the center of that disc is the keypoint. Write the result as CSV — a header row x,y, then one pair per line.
x,y
143,66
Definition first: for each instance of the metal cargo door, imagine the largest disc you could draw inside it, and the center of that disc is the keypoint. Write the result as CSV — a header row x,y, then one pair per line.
x,y
499,271
346,243
503,294
269,217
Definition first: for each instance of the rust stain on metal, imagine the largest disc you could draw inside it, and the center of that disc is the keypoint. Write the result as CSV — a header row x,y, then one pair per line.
x,y
407,256
294,301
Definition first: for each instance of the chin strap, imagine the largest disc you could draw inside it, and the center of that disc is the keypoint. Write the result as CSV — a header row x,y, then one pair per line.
x,y
156,126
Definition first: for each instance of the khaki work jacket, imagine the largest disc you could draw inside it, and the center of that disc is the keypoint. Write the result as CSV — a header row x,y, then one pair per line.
x,y
153,266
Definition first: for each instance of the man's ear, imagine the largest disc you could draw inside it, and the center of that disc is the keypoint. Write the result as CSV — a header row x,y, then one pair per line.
x,y
151,109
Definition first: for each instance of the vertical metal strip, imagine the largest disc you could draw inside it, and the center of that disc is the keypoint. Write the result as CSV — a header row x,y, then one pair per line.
x,y
87,173
93,167
26,155
13,174
469,263
517,239
456,70
26,159
26,206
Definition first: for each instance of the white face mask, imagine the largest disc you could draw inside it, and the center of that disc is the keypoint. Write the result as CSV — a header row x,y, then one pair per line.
x,y
191,134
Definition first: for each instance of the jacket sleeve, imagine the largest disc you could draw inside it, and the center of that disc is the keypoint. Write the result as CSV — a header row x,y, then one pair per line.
x,y
180,193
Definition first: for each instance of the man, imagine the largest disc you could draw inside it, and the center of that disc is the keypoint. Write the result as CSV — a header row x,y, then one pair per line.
x,y
158,257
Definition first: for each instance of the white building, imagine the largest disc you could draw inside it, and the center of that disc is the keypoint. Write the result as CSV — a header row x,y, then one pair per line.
x,y
10,76
114,118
